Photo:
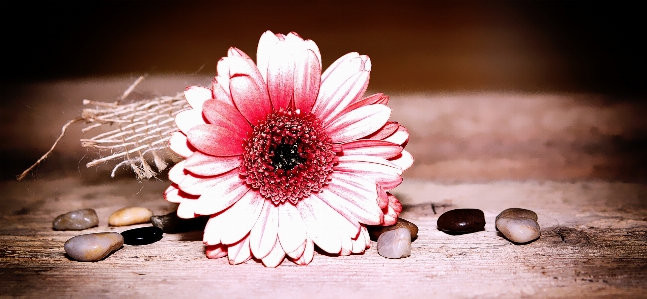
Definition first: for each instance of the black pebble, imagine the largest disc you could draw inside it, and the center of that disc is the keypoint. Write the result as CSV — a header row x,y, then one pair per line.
x,y
142,235
461,221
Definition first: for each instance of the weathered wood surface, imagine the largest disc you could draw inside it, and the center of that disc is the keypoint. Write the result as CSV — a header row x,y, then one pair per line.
x,y
593,244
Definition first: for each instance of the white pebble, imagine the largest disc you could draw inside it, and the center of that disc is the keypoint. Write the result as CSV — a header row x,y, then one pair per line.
x,y
518,230
395,244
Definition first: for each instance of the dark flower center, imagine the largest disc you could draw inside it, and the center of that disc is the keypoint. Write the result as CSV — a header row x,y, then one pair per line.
x,y
288,157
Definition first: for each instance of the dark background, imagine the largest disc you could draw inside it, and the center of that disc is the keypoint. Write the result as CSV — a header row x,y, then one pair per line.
x,y
56,53
536,46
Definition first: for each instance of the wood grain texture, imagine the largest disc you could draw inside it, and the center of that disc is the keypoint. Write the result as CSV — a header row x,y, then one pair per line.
x,y
593,244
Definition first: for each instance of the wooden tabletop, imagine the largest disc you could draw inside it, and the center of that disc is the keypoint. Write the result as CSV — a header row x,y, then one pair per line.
x,y
576,160
593,244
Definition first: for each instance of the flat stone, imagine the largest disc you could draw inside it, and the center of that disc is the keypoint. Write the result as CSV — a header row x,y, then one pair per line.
x,y
518,225
172,224
394,244
376,230
142,235
461,221
93,247
76,220
518,213
129,216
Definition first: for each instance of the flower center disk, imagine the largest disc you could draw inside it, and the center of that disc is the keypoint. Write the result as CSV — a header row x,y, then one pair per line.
x,y
288,157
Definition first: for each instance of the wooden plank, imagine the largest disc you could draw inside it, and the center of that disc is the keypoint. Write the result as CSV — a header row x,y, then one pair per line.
x,y
593,244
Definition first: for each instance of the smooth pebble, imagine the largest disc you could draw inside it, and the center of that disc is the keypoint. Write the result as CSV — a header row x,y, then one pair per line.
x,y
76,220
142,235
461,221
518,213
376,230
171,223
395,244
518,225
93,247
131,215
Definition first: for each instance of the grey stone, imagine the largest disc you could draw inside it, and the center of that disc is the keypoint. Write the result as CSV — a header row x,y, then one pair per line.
x,y
93,247
76,220
395,244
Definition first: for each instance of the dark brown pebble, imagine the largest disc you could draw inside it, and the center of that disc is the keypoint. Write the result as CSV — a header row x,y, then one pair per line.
x,y
461,221
172,224
376,230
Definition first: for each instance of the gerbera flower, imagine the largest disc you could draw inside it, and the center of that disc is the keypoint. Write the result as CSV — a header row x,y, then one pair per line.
x,y
284,158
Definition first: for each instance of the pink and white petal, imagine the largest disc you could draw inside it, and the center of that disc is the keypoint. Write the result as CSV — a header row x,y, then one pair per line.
x,y
206,165
223,72
197,95
343,68
393,210
280,74
188,119
216,140
221,195
251,100
319,224
385,131
357,123
297,253
265,48
241,64
353,188
275,257
307,80
263,236
346,246
308,254
173,194
220,89
211,235
239,253
382,174
354,213
358,196
186,209
372,161
377,98
324,225
382,199
359,244
351,91
378,148
329,100
312,46
404,160
291,231
241,217
216,251
177,173
179,144
234,223
399,137
226,115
